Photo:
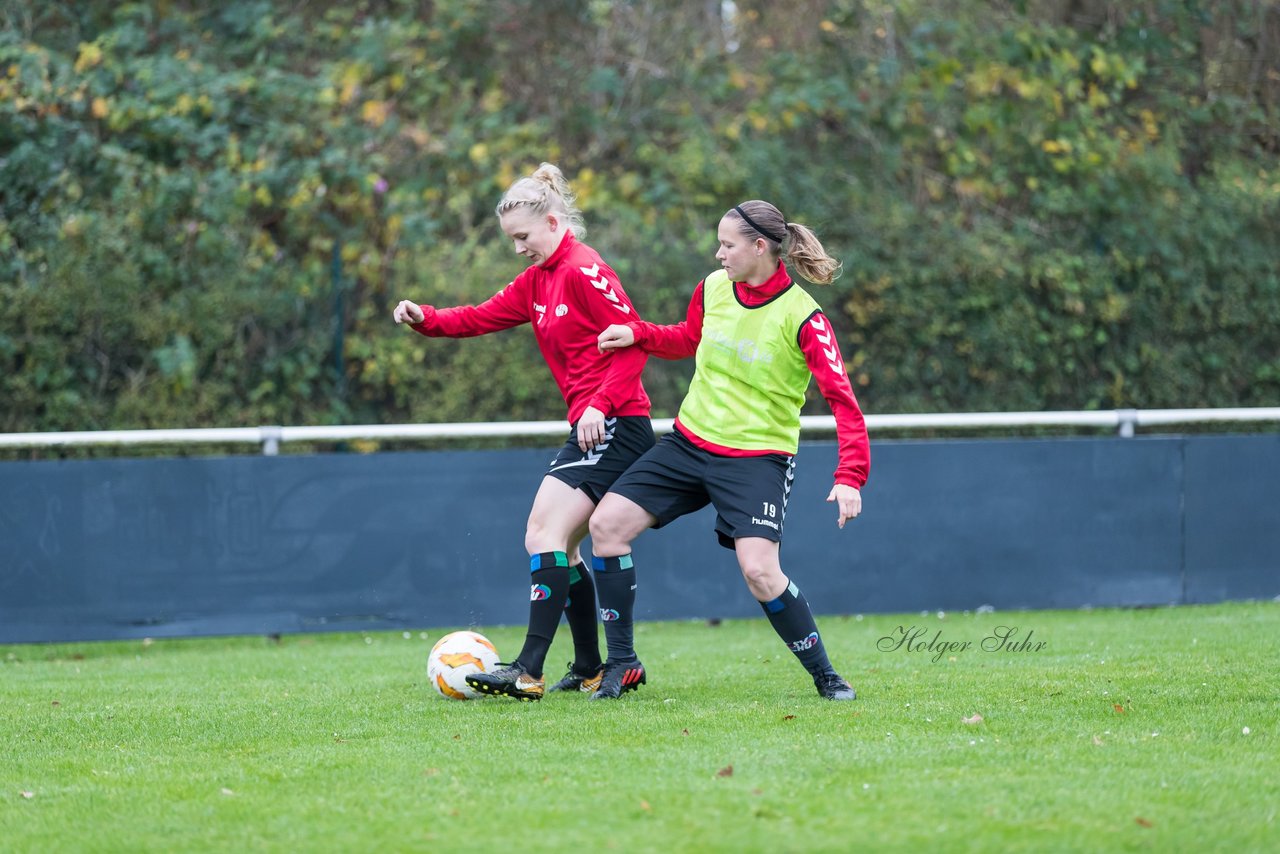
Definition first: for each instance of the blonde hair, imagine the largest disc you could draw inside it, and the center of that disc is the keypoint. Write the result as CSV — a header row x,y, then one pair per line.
x,y
545,191
804,252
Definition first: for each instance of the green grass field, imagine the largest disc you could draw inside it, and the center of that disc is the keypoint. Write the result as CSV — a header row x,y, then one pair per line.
x,y
1144,730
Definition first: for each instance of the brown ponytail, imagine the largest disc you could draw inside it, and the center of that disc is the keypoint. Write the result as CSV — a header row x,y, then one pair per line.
x,y
803,251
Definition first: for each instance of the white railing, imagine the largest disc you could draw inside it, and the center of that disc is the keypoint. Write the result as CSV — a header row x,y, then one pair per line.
x,y
1123,421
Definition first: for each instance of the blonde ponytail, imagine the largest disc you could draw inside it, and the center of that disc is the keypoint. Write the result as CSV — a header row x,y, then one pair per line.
x,y
806,256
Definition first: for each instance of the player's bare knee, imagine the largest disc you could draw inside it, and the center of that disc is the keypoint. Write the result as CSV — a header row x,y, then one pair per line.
x,y
604,531
763,575
539,537
757,574
532,540
609,527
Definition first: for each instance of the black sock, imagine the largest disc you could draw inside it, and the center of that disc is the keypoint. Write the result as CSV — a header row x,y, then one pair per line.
x,y
793,621
580,611
616,586
549,572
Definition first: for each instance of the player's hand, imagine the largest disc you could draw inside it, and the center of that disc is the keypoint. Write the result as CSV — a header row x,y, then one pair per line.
x,y
849,501
590,428
616,337
408,311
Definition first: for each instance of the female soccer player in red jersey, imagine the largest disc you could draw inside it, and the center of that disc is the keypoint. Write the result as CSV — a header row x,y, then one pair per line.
x,y
758,338
569,294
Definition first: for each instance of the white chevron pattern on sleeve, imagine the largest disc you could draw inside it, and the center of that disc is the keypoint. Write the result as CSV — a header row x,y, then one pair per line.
x,y
825,338
601,284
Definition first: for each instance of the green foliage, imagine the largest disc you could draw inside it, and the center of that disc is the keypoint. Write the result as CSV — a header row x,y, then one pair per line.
x,y
207,212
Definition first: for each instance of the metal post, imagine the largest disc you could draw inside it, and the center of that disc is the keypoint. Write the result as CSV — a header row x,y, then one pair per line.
x,y
271,440
1128,422
338,288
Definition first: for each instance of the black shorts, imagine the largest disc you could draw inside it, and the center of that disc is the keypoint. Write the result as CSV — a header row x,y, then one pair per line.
x,y
626,437
677,478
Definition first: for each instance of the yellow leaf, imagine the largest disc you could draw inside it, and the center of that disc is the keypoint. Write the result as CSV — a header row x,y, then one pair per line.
x,y
350,80
375,112
100,108
90,56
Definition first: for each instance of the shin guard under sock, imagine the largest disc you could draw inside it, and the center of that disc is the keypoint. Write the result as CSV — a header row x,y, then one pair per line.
x,y
580,611
549,572
791,618
616,587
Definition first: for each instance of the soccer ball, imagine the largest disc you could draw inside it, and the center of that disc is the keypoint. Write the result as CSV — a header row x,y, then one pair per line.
x,y
456,656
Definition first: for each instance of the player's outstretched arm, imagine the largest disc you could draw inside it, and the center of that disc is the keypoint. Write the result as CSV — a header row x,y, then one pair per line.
x,y
666,341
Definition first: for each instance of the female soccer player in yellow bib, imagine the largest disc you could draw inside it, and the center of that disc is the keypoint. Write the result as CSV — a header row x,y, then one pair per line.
x,y
758,338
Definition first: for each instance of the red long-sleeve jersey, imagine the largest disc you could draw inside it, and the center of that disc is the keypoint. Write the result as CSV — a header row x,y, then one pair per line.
x,y
569,298
821,352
